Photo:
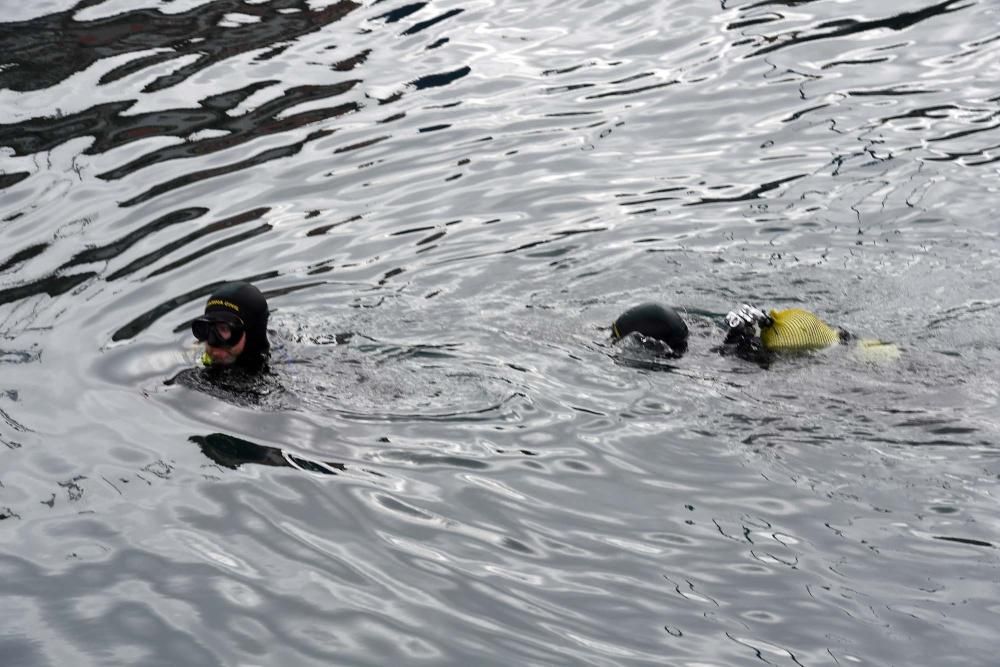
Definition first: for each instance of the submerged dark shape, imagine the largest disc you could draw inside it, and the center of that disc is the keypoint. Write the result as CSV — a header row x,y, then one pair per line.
x,y
653,321
232,452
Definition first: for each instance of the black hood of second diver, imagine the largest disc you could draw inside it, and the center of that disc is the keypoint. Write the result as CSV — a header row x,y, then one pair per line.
x,y
655,321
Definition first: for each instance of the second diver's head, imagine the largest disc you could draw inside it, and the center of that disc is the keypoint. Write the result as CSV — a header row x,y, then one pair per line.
x,y
653,320
234,326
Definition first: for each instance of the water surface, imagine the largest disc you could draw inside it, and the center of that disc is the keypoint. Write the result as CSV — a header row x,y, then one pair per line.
x,y
447,204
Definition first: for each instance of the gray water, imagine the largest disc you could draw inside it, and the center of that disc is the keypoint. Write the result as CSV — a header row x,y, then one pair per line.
x,y
447,204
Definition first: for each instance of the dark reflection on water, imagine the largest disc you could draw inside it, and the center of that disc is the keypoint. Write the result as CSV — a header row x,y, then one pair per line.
x,y
260,158
7,180
446,205
233,452
44,51
110,129
847,27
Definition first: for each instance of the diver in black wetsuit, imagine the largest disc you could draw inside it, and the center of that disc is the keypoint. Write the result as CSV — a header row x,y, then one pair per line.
x,y
237,352
234,328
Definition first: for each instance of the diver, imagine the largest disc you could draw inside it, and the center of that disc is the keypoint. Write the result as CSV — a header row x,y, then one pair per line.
x,y
757,336
234,328
751,334
236,355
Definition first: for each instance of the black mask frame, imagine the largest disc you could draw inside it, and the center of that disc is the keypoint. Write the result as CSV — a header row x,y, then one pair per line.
x,y
206,331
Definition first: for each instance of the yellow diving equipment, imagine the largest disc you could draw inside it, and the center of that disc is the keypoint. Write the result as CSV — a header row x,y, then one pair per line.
x,y
796,330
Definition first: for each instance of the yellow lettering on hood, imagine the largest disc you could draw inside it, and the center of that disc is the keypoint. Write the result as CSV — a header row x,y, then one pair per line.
x,y
224,304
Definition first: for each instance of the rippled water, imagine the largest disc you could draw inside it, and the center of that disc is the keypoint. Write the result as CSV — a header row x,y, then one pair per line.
x,y
447,203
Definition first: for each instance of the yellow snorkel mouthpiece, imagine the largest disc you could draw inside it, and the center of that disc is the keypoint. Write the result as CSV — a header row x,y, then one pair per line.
x,y
796,330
